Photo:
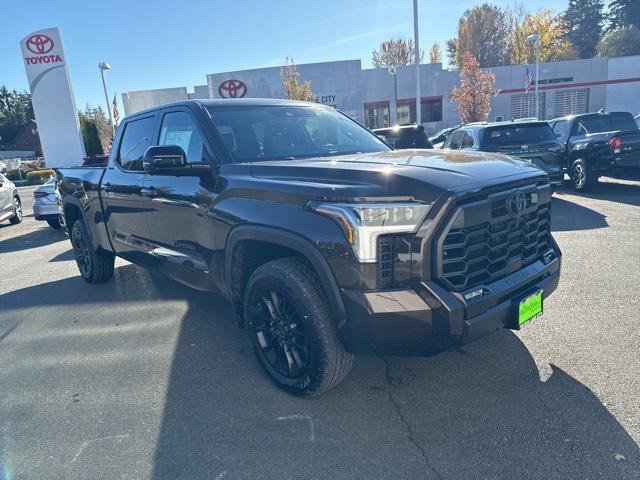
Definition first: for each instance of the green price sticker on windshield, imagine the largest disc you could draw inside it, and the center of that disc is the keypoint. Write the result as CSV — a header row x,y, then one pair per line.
x,y
529,308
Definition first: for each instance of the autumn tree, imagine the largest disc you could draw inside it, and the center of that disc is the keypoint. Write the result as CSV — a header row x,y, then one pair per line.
x,y
584,20
435,55
293,89
396,52
482,31
475,91
554,45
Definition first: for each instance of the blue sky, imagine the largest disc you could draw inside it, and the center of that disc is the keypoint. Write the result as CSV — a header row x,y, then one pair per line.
x,y
169,44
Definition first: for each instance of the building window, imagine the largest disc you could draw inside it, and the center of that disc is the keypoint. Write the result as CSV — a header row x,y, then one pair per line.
x,y
524,105
571,102
376,116
430,111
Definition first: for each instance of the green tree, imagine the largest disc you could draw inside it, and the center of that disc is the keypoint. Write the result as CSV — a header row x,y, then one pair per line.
x,y
293,89
482,30
584,20
89,128
105,132
475,91
15,107
624,13
620,43
396,52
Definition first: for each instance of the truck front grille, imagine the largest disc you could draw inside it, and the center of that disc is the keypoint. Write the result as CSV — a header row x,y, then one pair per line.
x,y
483,243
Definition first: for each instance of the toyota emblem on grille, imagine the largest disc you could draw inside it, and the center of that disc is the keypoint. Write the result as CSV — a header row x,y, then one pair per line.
x,y
516,204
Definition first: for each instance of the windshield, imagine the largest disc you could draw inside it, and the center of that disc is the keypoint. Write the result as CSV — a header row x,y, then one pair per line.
x,y
606,123
258,133
518,135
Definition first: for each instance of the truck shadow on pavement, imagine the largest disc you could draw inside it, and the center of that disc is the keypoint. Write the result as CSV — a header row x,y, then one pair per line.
x,y
39,237
481,412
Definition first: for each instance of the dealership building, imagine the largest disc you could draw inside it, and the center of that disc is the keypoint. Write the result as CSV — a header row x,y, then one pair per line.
x,y
378,99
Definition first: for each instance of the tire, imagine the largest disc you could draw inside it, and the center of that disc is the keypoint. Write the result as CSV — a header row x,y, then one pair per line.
x,y
581,176
55,223
17,211
290,326
95,266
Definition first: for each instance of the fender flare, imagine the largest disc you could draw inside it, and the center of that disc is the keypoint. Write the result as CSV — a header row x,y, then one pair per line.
x,y
294,242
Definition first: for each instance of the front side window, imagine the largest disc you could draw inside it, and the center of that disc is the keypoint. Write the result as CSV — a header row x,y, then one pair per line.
x,y
258,133
179,129
456,140
135,141
467,140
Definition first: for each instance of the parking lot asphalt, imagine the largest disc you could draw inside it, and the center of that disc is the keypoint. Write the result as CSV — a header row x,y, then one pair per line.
x,y
142,378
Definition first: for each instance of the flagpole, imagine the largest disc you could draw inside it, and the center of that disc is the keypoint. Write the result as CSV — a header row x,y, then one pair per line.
x,y
417,61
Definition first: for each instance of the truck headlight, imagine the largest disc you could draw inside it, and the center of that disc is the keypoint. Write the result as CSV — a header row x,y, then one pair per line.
x,y
363,223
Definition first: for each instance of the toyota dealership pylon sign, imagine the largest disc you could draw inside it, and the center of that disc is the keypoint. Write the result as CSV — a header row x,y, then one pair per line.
x,y
52,98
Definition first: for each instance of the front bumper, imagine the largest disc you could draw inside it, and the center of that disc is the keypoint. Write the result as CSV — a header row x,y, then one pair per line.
x,y
428,319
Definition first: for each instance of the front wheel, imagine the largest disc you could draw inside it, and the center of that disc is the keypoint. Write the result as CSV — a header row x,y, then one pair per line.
x,y
582,177
17,211
95,266
291,328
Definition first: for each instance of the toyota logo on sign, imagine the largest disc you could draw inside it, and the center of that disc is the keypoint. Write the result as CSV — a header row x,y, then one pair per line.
x,y
232,89
39,44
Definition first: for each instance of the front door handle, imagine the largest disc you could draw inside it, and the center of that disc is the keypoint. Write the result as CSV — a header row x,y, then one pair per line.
x,y
148,192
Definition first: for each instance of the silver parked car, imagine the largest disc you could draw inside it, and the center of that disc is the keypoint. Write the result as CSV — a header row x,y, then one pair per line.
x,y
45,203
10,204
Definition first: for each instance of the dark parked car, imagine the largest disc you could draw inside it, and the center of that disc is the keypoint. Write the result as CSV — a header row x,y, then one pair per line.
x,y
404,136
532,141
438,138
595,144
326,242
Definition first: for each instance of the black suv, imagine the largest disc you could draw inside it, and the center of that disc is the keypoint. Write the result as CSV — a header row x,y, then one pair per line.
x,y
404,136
325,240
532,141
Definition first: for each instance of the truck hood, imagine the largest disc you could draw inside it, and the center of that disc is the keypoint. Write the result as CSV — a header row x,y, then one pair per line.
x,y
397,173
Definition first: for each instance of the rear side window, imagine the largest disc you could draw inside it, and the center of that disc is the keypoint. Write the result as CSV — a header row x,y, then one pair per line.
x,y
518,135
606,123
135,141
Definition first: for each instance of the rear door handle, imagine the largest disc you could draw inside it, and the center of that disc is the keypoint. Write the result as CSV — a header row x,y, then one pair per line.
x,y
148,192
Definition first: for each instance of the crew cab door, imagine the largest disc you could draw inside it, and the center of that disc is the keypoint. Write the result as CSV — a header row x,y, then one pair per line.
x,y
178,208
123,188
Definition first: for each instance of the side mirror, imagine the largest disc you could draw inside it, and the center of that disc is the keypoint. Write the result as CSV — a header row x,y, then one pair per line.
x,y
164,157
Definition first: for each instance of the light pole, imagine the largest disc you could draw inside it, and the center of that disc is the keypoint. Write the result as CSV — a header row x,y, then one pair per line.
x,y
394,72
417,61
105,66
535,38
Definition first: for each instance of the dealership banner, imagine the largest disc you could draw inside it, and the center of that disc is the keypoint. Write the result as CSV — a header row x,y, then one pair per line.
x,y
52,98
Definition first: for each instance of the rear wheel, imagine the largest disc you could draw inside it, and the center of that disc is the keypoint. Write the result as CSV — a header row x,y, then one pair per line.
x,y
17,211
55,223
582,177
291,328
95,266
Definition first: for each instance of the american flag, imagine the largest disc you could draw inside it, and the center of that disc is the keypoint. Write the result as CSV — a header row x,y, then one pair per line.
x,y
116,112
528,80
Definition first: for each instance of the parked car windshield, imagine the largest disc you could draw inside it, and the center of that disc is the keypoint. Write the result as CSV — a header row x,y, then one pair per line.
x,y
258,133
518,135
606,123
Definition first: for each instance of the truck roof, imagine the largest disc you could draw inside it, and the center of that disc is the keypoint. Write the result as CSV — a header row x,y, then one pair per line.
x,y
230,102
590,114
